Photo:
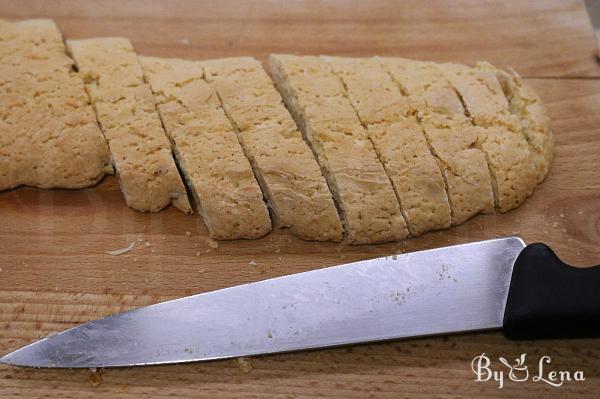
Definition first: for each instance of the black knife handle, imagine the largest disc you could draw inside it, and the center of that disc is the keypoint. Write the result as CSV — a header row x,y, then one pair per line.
x,y
549,299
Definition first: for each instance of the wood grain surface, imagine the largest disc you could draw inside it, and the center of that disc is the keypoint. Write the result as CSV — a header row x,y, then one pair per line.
x,y
55,273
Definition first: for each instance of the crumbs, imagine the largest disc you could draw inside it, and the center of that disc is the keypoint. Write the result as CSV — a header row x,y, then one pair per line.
x,y
95,377
213,244
245,364
121,251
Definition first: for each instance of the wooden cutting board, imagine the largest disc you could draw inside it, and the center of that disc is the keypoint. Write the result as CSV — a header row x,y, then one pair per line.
x,y
55,273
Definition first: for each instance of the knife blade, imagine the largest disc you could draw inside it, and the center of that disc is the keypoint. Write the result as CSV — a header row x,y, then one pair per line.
x,y
445,290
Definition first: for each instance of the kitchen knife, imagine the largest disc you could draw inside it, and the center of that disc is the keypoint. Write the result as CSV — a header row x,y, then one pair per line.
x,y
491,284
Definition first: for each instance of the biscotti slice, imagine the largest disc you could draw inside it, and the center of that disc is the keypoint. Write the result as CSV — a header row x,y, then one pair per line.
x,y
207,150
499,134
527,106
316,98
49,136
398,140
283,163
449,133
125,108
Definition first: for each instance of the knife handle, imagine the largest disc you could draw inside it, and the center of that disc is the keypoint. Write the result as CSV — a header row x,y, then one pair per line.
x,y
548,298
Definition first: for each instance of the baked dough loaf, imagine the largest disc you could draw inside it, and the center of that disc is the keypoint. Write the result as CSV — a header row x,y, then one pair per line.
x,y
317,100
450,134
388,146
49,136
398,140
283,163
207,150
125,108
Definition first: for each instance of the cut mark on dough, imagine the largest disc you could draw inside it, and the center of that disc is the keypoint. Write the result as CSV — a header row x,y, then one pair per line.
x,y
477,145
264,188
375,146
413,111
207,150
289,94
283,163
367,199
127,114
500,137
526,105
441,116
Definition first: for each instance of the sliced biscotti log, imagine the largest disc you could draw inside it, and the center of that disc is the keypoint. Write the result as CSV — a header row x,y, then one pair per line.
x,y
125,108
207,150
316,98
449,133
283,163
508,153
531,113
399,141
49,136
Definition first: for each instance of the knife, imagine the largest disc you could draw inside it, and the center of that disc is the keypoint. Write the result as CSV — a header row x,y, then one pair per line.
x,y
500,283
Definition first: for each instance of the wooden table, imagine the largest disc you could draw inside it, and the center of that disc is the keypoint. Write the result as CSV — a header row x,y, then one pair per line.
x,y
55,273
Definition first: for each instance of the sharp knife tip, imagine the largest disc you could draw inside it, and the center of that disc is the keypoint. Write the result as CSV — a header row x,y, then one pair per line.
x,y
7,360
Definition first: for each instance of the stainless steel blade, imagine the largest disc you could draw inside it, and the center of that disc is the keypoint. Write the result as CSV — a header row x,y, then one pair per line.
x,y
452,289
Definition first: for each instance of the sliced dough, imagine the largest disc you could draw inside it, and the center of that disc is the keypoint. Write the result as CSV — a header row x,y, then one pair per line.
x,y
449,133
316,99
499,134
127,114
399,142
49,136
283,163
527,106
207,150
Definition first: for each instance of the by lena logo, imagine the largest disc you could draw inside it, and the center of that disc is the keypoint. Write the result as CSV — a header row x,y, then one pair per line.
x,y
519,371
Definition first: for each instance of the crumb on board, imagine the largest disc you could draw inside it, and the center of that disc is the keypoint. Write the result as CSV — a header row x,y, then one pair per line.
x,y
198,253
252,263
188,233
214,244
122,251
147,243
245,364
277,250
185,42
95,377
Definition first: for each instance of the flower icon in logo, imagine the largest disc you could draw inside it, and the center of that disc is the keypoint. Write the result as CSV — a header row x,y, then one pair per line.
x,y
519,371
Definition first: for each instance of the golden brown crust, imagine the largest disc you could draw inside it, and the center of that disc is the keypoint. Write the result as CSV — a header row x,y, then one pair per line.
x,y
207,150
49,136
283,163
127,114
